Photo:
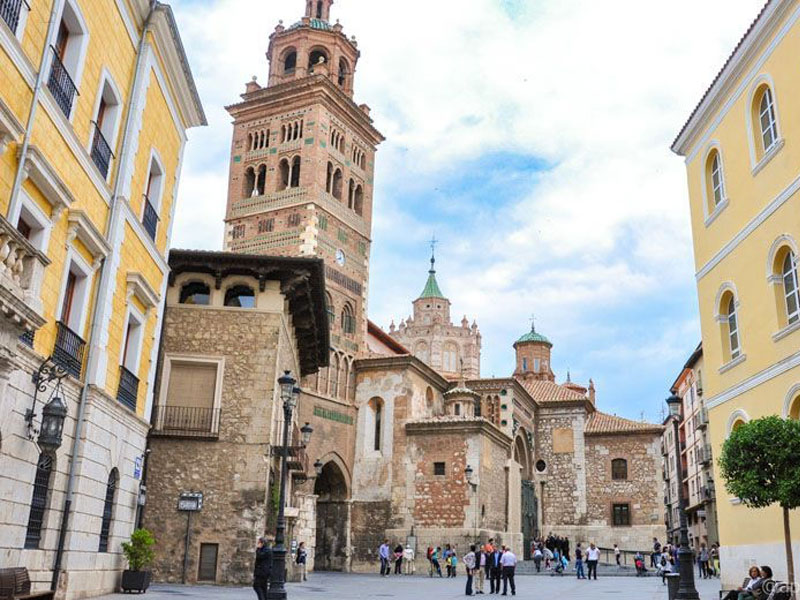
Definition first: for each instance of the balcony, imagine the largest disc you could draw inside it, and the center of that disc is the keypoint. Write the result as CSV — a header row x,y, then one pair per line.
x,y
61,85
705,455
69,350
708,492
10,11
150,219
101,151
185,422
128,389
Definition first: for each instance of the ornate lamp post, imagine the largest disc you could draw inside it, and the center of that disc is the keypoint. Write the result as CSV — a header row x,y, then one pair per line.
x,y
687,589
54,413
289,395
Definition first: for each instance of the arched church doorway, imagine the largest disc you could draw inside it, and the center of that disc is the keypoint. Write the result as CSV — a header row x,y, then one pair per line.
x,y
332,519
528,503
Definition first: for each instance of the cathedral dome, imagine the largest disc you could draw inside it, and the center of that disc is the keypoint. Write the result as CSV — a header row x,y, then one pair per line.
x,y
533,337
314,24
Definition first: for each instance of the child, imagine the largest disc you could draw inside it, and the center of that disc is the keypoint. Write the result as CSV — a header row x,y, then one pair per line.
x,y
454,563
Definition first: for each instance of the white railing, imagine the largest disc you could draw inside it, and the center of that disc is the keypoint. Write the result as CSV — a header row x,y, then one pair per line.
x,y
21,266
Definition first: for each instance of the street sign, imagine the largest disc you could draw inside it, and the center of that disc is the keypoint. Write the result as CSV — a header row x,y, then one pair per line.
x,y
190,501
137,467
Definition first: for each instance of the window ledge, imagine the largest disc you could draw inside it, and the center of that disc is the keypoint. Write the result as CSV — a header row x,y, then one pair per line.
x,y
788,330
774,149
717,210
732,364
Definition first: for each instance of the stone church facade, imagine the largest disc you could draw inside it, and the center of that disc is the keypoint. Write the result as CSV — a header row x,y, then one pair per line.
x,y
402,417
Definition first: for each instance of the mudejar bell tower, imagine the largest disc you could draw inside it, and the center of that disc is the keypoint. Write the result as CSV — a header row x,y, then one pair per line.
x,y
301,176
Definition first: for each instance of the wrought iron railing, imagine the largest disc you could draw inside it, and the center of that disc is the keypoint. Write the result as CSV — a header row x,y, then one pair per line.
x,y
128,389
101,151
61,85
69,350
185,421
150,218
27,338
10,11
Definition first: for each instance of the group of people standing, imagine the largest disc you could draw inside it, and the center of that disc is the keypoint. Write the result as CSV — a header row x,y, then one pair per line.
x,y
553,553
492,562
402,558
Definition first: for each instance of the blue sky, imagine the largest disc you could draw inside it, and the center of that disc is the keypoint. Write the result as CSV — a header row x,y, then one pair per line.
x,y
532,138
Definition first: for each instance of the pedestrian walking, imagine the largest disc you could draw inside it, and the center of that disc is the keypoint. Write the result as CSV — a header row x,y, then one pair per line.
x,y
302,558
592,558
384,553
453,564
469,565
579,562
262,569
537,559
435,556
705,570
655,554
495,571
617,554
509,563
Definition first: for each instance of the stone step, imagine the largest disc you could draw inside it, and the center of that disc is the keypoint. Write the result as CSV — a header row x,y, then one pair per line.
x,y
528,567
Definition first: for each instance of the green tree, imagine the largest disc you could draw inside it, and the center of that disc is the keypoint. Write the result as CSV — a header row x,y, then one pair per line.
x,y
139,551
760,463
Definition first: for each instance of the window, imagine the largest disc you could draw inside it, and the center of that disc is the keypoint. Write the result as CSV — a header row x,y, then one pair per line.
x,y
421,351
207,565
790,287
295,181
717,186
41,494
337,184
358,200
537,365
351,188
14,13
68,58
457,409
290,63
108,509
733,329
450,358
266,225
75,295
334,376
294,220
323,222
621,515
129,361
261,181
329,178
189,402
766,118
238,232
344,71
240,296
348,320
619,469
106,119
319,9
438,468
330,310
284,175
153,191
34,225
378,408
316,57
195,293
249,184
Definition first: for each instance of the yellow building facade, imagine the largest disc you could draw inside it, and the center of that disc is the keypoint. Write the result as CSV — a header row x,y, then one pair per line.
x,y
96,97
742,151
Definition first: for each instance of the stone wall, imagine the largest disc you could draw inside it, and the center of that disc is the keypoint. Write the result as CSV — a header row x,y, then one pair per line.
x,y
231,470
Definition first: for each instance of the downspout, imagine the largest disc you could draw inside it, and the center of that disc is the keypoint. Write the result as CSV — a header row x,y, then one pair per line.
x,y
44,64
96,325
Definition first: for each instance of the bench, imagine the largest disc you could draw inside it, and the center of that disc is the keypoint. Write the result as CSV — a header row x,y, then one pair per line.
x,y
15,584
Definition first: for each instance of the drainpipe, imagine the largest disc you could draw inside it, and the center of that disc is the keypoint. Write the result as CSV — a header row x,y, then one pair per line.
x,y
105,275
44,65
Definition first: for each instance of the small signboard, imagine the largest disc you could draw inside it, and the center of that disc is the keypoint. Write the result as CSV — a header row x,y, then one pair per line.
x,y
190,501
137,467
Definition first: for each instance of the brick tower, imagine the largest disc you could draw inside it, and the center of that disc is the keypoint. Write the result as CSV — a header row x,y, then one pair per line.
x,y
301,175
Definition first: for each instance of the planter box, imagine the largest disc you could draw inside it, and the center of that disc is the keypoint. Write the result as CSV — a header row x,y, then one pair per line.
x,y
135,581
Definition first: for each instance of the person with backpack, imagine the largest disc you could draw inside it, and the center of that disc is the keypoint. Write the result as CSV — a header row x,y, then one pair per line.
x,y
302,558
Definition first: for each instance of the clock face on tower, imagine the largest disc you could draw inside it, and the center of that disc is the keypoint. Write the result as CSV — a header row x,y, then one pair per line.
x,y
340,258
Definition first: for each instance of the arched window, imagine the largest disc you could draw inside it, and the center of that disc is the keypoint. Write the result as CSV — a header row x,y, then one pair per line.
x,y
314,59
619,469
330,309
358,201
348,320
250,145
41,495
337,184
290,63
319,9
329,178
261,180
766,119
733,328
249,182
790,287
108,509
295,172
283,180
343,72
376,404
196,293
351,188
716,185
240,296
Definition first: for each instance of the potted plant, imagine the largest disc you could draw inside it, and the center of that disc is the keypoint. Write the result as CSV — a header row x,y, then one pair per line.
x,y
139,554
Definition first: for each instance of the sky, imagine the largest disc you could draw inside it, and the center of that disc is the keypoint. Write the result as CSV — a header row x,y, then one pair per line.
x,y
532,139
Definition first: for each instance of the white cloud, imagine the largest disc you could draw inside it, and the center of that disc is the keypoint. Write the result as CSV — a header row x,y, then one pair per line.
x,y
596,89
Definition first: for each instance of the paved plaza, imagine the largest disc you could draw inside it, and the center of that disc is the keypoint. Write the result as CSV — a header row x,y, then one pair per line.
x,y
335,586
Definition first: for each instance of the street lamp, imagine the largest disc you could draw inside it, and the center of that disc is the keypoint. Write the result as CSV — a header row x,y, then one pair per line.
x,y
687,589
305,433
289,394
54,414
318,467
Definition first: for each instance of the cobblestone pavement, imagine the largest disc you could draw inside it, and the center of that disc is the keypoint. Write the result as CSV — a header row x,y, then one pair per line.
x,y
336,586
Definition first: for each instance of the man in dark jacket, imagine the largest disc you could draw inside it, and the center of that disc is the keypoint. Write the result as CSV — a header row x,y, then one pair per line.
x,y
495,570
262,569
